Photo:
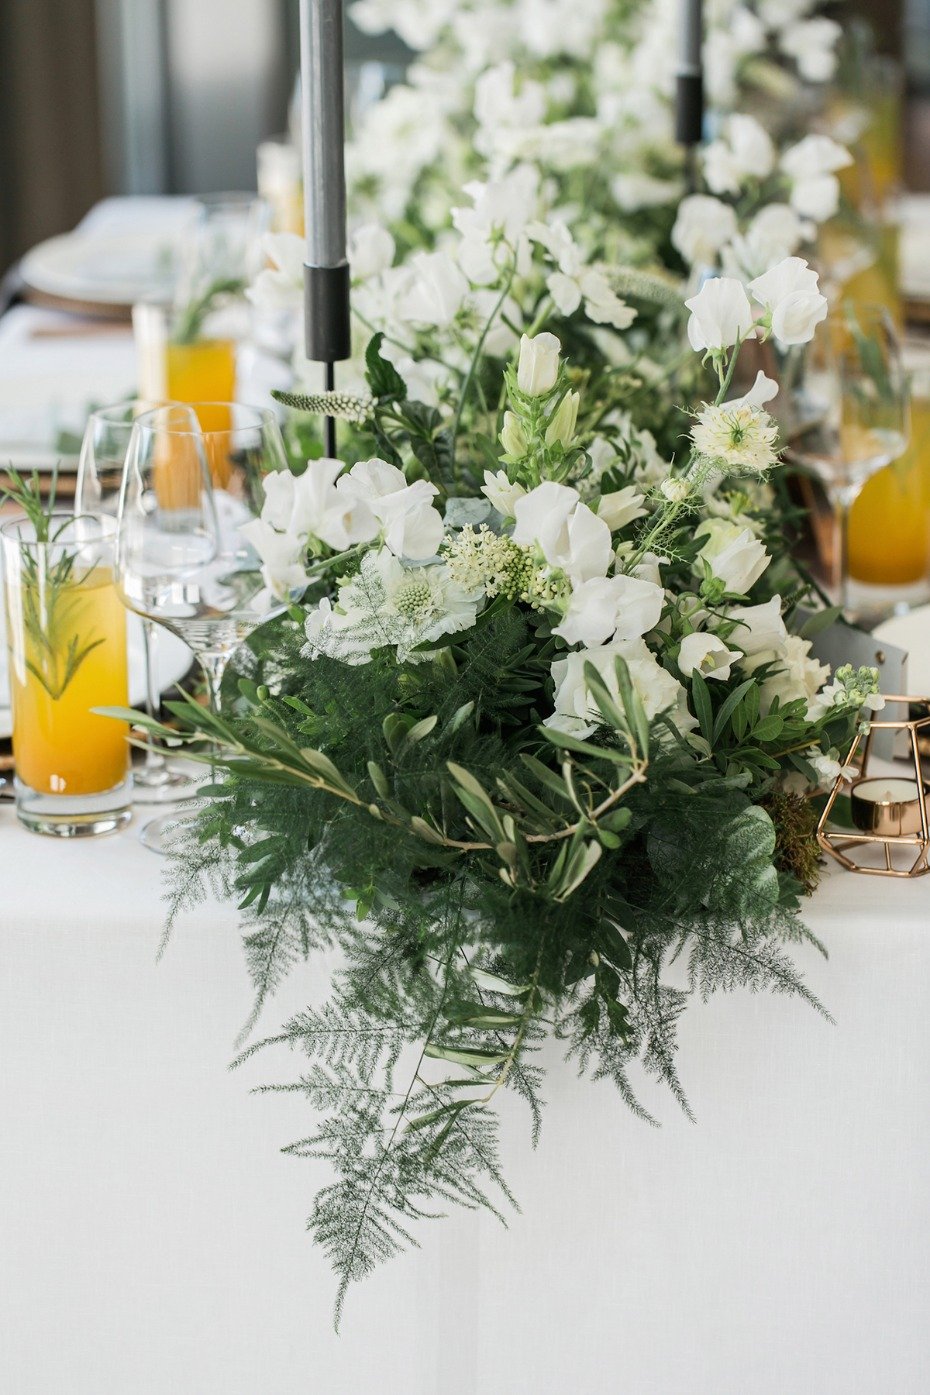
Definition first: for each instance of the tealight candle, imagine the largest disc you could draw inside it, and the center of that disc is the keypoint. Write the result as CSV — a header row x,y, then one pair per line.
x,y
888,806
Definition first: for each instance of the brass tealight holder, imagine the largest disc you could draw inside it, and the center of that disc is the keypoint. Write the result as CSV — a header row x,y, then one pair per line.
x,y
891,813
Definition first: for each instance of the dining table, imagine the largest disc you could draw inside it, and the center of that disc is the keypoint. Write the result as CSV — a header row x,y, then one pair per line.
x,y
153,1235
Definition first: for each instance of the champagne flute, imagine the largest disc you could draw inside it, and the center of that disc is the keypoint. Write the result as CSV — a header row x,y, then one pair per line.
x,y
99,477
181,558
848,412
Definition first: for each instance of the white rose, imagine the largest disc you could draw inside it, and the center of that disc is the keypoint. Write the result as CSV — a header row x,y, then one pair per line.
x,y
735,556
703,226
790,294
568,533
720,314
798,675
707,655
371,251
621,507
538,365
576,711
501,493
611,607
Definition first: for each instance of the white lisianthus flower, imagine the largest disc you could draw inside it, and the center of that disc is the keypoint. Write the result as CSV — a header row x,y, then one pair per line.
x,y
790,296
569,535
611,607
281,285
576,711
436,293
371,251
734,554
798,676
501,493
702,228
562,423
720,315
707,655
538,365
760,633
621,507
741,438
744,152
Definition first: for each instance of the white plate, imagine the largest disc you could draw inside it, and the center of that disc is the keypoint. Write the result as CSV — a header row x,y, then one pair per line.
x,y
173,660
911,632
103,269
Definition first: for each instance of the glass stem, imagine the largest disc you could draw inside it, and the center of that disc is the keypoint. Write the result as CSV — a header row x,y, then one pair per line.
x,y
154,759
842,504
214,666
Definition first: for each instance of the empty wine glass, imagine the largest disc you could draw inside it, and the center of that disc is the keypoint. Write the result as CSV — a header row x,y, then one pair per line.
x,y
847,412
99,478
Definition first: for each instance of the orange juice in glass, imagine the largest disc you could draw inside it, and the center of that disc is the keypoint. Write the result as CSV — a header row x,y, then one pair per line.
x,y
66,638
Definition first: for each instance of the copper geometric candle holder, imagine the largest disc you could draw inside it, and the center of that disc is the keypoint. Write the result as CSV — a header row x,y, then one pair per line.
x,y
890,812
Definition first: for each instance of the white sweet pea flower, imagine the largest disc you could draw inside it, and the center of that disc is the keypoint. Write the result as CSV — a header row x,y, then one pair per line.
x,y
403,513
720,315
569,535
309,506
498,104
538,365
745,151
763,390
812,43
798,675
577,712
790,294
707,655
611,607
501,493
702,228
492,229
811,166
371,251
281,285
760,633
621,507
282,554
735,555
776,232
437,291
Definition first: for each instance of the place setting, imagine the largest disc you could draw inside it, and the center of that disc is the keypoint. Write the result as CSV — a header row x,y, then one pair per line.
x,y
465,621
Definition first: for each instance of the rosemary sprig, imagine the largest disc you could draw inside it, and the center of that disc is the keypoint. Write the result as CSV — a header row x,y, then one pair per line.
x,y
191,318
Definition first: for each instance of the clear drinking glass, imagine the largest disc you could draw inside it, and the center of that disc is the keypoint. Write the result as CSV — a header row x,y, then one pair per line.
x,y
181,559
66,635
847,412
99,478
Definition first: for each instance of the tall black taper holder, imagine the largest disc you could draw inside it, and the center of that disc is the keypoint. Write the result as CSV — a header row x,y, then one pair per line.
x,y
326,271
689,87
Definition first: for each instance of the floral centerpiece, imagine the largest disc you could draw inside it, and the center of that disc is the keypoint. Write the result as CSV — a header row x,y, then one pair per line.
x,y
533,720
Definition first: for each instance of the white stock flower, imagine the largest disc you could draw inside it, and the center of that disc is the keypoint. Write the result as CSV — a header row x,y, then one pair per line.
x,y
745,151
738,436
797,676
707,655
575,709
538,365
501,493
702,228
621,507
611,607
569,535
790,294
734,554
371,251
437,290
720,315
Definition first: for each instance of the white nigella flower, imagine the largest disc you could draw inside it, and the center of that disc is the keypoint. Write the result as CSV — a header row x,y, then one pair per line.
x,y
611,607
569,535
702,228
707,655
576,711
538,365
790,296
734,554
739,437
501,493
720,315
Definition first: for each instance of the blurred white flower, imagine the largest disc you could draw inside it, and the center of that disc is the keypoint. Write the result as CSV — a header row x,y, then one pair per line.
x,y
811,166
436,292
812,43
744,151
702,228
371,251
280,286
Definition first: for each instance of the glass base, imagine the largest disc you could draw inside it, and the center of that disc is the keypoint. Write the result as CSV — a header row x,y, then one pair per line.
x,y
869,604
162,786
159,835
74,816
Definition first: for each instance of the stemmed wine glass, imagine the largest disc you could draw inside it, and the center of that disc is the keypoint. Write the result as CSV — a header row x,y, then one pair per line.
x,y
181,559
97,491
847,411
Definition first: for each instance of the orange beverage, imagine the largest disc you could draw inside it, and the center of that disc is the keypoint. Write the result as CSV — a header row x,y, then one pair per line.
x,y
204,371
61,746
889,524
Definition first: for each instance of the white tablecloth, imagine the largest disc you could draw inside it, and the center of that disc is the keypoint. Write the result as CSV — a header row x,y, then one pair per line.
x,y
151,1236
